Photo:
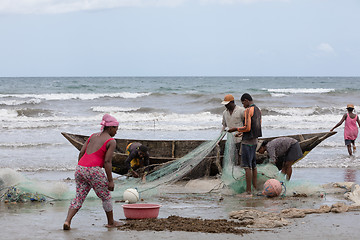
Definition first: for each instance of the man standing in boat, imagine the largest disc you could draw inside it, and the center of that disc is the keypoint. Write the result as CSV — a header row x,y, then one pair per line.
x,y
283,152
137,160
233,117
251,131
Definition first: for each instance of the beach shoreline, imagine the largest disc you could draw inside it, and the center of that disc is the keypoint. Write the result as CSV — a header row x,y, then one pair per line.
x,y
43,220
47,224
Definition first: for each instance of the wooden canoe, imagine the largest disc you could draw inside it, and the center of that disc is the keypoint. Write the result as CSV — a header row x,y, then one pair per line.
x,y
163,151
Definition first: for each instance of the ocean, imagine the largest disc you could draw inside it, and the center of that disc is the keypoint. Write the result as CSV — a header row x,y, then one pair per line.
x,y
34,111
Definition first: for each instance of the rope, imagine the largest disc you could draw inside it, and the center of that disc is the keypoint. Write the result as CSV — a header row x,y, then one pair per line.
x,y
284,192
232,174
216,187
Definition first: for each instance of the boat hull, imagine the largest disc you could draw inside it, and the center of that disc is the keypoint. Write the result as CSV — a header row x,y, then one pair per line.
x,y
164,151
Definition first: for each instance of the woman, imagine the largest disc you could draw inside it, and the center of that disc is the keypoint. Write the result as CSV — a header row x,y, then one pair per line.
x,y
350,130
95,155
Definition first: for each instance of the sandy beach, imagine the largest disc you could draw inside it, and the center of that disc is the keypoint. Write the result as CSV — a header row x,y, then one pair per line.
x,y
43,220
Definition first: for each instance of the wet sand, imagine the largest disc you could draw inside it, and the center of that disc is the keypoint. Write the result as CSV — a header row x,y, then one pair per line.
x,y
45,220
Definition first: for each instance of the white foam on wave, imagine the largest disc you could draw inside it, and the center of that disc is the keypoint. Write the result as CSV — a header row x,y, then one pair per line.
x,y
8,113
293,111
196,118
299,90
113,109
278,95
296,119
307,111
127,120
27,145
334,161
80,96
332,144
325,121
14,102
171,122
13,121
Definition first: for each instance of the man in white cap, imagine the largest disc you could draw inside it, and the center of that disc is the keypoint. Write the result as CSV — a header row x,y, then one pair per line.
x,y
233,117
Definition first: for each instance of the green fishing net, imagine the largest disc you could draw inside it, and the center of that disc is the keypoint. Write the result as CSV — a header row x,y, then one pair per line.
x,y
14,194
14,187
180,168
234,176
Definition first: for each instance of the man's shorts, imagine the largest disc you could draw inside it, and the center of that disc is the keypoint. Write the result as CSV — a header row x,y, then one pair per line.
x,y
348,142
294,152
248,156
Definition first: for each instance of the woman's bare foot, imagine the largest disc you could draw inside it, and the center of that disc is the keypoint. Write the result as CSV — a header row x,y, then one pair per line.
x,y
114,225
66,226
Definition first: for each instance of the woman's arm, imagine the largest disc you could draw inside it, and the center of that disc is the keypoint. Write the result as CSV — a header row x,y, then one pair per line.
x,y
108,163
339,123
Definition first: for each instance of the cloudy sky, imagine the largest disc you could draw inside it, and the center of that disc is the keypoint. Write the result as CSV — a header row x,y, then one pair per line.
x,y
179,38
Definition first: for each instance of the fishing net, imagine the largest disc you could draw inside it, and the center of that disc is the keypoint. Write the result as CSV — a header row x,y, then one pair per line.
x,y
180,168
14,194
14,187
234,176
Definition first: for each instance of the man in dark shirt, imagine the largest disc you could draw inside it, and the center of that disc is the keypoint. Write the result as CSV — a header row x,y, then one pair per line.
x,y
138,158
251,131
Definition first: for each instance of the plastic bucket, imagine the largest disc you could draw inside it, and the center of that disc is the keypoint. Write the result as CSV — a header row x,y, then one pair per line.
x,y
140,211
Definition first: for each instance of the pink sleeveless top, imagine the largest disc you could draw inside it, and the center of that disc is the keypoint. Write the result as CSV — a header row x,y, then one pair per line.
x,y
351,130
95,159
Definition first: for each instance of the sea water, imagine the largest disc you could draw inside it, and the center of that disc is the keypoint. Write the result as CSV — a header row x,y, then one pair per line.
x,y
34,112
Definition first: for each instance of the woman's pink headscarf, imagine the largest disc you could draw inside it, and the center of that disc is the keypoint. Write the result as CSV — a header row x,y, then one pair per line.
x,y
108,121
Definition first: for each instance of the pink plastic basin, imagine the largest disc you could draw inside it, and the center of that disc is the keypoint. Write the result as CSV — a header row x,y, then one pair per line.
x,y
141,210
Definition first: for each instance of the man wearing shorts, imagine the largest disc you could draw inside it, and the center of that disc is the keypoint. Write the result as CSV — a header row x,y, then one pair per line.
x,y
283,152
251,131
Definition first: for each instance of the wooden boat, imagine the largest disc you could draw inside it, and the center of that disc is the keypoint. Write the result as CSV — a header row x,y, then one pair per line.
x,y
164,151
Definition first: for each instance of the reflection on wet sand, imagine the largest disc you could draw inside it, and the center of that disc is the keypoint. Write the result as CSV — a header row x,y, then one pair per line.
x,y
350,175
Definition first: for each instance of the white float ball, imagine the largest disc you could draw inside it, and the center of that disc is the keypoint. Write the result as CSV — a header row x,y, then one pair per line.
x,y
131,195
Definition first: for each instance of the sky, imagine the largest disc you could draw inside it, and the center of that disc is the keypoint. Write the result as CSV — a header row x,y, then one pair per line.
x,y
54,38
